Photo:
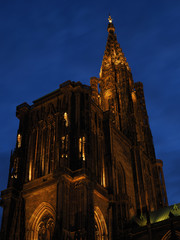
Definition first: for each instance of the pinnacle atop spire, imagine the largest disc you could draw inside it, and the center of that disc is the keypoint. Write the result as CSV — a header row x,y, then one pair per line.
x,y
110,25
110,19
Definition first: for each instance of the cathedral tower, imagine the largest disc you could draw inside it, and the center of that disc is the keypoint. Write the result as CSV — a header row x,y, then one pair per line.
x,y
84,163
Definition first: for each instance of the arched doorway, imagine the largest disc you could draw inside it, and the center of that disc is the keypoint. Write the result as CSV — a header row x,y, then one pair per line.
x,y
42,222
101,232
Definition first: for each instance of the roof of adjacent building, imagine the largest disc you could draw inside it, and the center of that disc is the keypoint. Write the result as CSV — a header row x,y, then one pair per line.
x,y
159,215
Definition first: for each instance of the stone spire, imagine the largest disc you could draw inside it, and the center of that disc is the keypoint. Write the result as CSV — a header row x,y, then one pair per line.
x,y
113,54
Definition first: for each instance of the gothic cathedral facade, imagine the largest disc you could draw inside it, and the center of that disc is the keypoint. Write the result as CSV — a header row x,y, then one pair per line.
x,y
84,164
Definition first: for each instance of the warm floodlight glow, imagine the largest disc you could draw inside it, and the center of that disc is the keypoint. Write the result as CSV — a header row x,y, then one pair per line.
x,y
82,142
103,181
30,171
66,119
134,96
62,140
19,139
107,99
83,148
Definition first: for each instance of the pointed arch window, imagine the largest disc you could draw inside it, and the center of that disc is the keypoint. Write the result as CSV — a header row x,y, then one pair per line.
x,y
42,222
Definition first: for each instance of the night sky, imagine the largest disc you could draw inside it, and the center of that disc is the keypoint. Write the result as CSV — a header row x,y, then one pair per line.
x,y
44,43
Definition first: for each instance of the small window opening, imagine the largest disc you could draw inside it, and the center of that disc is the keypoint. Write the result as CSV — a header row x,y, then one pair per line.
x,y
30,171
64,146
82,142
103,177
19,140
83,149
14,169
66,119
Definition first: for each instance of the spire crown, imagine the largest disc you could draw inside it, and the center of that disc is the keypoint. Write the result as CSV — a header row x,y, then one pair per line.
x,y
113,54
111,27
110,19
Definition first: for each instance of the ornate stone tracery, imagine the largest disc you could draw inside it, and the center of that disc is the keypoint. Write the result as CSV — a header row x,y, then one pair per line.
x,y
46,228
42,223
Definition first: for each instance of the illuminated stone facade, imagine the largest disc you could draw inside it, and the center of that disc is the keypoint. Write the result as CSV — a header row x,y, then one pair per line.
x,y
84,165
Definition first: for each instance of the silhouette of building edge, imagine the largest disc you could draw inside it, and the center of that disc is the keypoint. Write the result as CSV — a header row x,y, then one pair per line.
x,y
84,165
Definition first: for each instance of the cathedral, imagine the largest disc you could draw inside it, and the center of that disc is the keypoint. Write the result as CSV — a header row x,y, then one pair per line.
x,y
84,165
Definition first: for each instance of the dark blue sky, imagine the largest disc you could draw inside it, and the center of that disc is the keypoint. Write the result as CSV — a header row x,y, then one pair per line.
x,y
44,43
